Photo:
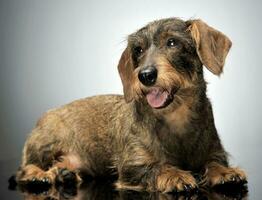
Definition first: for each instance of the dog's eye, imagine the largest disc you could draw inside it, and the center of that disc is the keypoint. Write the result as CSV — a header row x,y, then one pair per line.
x,y
138,50
171,42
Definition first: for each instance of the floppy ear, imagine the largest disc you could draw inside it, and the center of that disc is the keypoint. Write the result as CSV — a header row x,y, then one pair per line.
x,y
125,69
212,46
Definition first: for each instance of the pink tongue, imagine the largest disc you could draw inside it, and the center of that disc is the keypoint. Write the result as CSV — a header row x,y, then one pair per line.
x,y
156,97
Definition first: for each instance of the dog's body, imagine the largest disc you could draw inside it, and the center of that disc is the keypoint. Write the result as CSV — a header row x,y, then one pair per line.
x,y
158,134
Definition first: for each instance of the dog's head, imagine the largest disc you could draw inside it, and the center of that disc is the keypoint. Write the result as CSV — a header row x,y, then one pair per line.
x,y
165,58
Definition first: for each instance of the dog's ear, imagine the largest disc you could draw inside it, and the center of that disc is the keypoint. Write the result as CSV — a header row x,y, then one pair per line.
x,y
212,46
125,69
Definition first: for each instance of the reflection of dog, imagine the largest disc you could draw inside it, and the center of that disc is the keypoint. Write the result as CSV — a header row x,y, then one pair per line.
x,y
156,141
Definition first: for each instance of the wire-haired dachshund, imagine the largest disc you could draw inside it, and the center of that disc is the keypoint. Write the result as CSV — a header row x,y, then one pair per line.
x,y
159,136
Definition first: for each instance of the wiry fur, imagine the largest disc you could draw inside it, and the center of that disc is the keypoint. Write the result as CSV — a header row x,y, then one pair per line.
x,y
148,149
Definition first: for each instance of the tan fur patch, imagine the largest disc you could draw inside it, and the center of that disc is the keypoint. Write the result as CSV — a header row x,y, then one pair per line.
x,y
171,178
218,174
69,161
32,172
169,77
178,120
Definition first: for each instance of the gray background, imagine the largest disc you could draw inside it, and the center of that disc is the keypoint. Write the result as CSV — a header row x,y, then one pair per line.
x,y
54,51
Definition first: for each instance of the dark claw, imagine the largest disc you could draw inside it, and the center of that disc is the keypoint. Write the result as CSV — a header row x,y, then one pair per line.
x,y
64,172
186,187
238,178
244,181
45,180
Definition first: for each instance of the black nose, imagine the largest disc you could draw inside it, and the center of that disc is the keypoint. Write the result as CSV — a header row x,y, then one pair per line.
x,y
148,76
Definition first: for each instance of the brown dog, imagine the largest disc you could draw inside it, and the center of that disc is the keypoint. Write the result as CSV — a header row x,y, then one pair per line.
x,y
156,137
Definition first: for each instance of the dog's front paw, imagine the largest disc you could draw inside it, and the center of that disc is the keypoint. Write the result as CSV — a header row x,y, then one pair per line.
x,y
217,174
171,179
31,174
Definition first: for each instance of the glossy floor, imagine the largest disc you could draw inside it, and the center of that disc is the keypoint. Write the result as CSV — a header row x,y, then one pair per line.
x,y
103,189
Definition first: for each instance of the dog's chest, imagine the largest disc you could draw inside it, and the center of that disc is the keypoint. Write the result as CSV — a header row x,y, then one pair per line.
x,y
178,121
181,148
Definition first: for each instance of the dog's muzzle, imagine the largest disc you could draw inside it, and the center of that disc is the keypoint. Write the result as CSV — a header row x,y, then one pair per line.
x,y
156,97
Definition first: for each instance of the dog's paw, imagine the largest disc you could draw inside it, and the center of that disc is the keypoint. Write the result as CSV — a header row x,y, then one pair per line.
x,y
67,177
172,179
31,174
217,175
40,179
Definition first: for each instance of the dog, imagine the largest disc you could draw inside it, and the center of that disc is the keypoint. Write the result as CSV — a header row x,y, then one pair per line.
x,y
159,137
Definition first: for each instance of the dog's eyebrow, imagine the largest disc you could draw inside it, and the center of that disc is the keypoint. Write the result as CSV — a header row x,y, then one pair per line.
x,y
182,37
136,38
133,38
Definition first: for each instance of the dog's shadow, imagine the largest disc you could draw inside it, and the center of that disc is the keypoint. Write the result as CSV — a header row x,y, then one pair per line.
x,y
104,190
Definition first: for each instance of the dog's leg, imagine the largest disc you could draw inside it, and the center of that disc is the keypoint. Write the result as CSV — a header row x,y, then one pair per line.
x,y
218,174
218,171
162,178
64,171
141,171
171,179
67,169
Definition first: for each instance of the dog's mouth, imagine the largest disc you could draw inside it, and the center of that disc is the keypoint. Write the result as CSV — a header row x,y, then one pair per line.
x,y
158,97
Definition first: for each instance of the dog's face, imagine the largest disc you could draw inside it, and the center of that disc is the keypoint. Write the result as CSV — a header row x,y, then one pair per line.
x,y
165,58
